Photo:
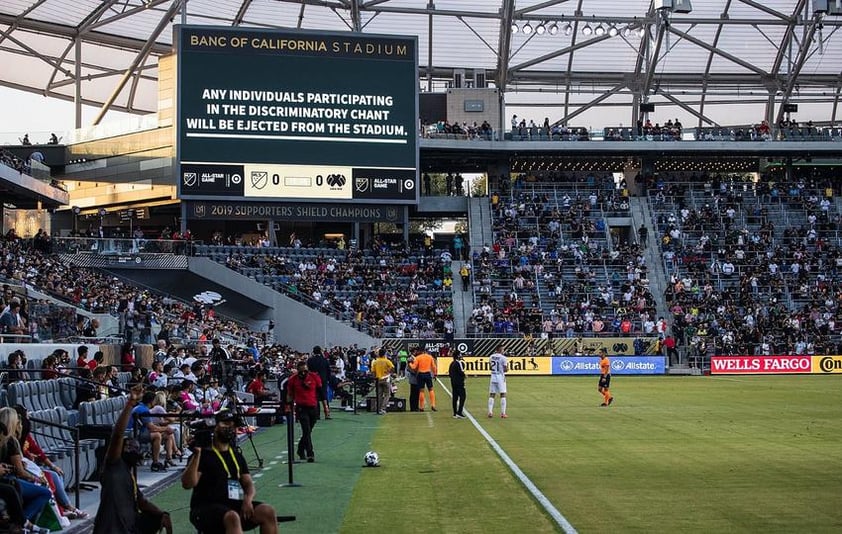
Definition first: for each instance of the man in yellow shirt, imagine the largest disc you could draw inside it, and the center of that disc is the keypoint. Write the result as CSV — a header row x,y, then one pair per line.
x,y
425,366
382,369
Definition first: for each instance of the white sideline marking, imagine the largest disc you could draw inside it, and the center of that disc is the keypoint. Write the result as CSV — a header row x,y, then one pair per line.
x,y
542,499
257,475
273,462
430,422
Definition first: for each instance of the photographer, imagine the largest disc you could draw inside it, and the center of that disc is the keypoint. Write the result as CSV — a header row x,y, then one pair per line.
x,y
223,491
122,506
302,388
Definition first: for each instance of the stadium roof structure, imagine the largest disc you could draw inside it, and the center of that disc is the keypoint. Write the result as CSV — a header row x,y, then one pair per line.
x,y
572,57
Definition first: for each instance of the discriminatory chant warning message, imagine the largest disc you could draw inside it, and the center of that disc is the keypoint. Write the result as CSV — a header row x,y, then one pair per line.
x,y
298,115
287,114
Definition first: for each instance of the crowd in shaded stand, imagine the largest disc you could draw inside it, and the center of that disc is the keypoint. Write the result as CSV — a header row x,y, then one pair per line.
x,y
143,313
552,270
387,290
753,266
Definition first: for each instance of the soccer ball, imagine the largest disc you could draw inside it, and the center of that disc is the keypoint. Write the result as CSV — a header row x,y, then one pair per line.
x,y
372,459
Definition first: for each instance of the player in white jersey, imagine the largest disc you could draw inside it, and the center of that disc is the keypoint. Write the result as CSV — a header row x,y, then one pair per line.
x,y
498,364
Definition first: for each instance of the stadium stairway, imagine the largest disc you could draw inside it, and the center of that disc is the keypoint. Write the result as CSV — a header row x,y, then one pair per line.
x,y
463,302
479,224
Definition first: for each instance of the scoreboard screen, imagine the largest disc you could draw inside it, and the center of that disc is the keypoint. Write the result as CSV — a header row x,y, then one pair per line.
x,y
294,115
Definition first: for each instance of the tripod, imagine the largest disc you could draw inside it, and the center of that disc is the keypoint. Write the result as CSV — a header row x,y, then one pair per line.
x,y
233,403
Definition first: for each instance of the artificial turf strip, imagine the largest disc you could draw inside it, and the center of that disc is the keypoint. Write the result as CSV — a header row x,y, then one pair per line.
x,y
320,503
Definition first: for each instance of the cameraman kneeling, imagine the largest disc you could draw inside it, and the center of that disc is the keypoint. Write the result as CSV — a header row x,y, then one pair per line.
x,y
223,490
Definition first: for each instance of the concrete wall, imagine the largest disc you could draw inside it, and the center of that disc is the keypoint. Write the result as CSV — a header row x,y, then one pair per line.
x,y
456,106
296,325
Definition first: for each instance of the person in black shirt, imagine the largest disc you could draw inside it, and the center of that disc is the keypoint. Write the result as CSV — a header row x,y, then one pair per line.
x,y
457,383
317,363
223,490
122,506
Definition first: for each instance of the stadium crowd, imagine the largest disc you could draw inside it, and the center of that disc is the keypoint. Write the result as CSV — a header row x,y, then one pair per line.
x,y
142,314
752,266
183,381
387,290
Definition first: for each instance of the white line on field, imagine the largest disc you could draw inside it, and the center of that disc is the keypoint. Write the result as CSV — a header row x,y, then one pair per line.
x,y
542,499
273,462
430,422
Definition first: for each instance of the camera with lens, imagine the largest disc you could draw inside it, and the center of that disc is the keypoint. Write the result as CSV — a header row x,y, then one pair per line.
x,y
202,434
363,383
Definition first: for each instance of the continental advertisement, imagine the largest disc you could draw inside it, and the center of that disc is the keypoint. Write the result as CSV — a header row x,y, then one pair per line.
x,y
535,365
775,365
563,365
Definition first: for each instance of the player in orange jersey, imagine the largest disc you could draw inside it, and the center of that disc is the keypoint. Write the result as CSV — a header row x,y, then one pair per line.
x,y
605,378
425,367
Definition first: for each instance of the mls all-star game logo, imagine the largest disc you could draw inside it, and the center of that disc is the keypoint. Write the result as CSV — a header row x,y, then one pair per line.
x,y
190,179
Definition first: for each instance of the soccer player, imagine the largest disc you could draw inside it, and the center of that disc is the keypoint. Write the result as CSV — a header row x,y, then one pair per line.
x,y
605,378
425,367
498,364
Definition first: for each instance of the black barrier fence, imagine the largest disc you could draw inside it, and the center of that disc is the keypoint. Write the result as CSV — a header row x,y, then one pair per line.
x,y
620,346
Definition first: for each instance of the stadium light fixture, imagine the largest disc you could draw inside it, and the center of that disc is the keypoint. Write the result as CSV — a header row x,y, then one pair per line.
x,y
587,30
553,29
641,31
613,31
527,29
568,29
540,29
515,28
599,31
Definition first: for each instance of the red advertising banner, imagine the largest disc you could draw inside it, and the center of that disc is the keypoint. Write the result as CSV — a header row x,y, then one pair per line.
x,y
760,365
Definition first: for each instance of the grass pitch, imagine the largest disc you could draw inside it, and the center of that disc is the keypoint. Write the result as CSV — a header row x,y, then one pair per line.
x,y
673,454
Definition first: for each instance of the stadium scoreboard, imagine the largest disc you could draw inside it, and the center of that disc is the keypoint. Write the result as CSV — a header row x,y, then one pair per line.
x,y
293,115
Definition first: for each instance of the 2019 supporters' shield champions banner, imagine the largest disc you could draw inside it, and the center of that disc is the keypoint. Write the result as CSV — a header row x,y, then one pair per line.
x,y
293,115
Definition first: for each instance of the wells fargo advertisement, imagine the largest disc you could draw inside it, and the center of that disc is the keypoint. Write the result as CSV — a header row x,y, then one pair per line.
x,y
766,365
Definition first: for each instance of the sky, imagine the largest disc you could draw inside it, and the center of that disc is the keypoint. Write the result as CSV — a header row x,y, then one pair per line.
x,y
22,112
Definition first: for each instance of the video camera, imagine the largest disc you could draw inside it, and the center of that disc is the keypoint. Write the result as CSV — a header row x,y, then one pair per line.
x,y
202,432
363,383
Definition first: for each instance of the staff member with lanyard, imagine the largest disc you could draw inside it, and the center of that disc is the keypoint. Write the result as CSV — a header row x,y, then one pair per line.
x,y
223,490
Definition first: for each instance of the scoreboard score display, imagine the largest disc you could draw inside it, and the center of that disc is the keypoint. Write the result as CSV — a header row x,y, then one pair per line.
x,y
293,115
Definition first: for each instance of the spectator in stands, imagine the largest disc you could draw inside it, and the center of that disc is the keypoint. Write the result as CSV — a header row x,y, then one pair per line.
x,y
82,356
15,368
53,139
34,496
97,360
127,356
159,407
32,452
91,329
12,323
149,432
49,367
257,387
25,141
86,388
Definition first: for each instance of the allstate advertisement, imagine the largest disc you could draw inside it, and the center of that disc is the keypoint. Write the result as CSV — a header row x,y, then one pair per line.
x,y
620,365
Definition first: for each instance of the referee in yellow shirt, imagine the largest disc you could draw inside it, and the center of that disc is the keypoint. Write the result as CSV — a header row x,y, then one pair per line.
x,y
382,369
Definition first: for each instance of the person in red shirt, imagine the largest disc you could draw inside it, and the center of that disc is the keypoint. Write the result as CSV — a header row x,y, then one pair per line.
x,y
302,390
127,357
82,358
257,388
